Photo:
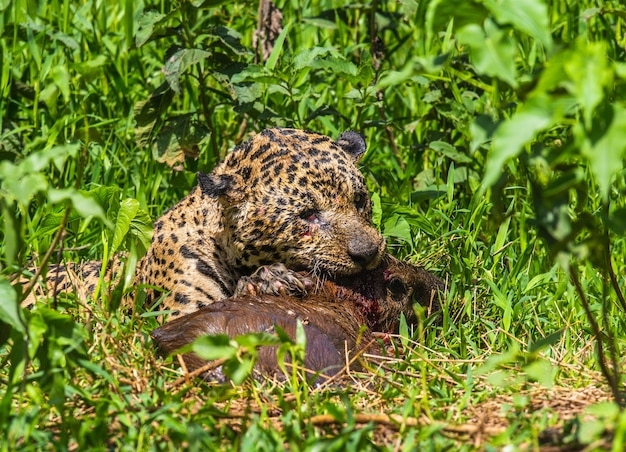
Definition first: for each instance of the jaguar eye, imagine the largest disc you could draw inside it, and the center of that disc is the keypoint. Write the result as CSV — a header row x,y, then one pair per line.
x,y
310,215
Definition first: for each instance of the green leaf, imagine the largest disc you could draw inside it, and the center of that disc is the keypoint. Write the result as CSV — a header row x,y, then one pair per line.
x,y
591,430
305,58
542,372
253,340
86,206
300,335
482,129
529,16
231,39
537,114
492,51
606,410
9,307
497,360
238,370
141,229
126,213
449,151
218,346
97,370
179,63
179,138
278,47
537,280
547,341
12,232
617,221
503,302
396,226
503,230
39,161
249,93
61,77
149,111
463,12
377,210
589,75
396,78
404,331
605,146
146,24
21,188
91,68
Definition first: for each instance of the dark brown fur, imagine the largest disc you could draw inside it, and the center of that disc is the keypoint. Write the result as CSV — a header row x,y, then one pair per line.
x,y
332,315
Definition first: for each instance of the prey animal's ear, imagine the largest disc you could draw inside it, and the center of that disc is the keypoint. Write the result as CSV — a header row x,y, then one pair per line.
x,y
353,143
225,186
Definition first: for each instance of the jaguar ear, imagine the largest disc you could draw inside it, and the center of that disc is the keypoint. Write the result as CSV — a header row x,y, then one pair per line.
x,y
223,186
353,143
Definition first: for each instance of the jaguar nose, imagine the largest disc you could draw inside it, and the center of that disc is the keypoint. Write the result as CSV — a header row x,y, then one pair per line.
x,y
364,250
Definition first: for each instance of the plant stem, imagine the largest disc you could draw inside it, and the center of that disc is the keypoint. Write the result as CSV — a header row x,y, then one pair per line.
x,y
604,368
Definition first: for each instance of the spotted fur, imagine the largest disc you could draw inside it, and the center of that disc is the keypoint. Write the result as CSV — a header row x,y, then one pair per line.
x,y
286,196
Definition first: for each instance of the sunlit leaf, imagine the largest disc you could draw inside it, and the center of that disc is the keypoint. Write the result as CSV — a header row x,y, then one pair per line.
x,y
377,211
547,341
449,151
61,77
492,51
179,62
252,340
214,347
277,49
589,75
141,229
529,16
238,370
9,307
84,205
326,58
537,114
463,12
148,23
128,210
397,227
57,155
179,138
542,372
22,189
605,146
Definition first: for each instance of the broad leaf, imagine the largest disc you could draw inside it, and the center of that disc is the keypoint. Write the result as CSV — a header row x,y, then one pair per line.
x,y
128,210
231,39
214,347
605,146
9,307
529,16
492,51
179,62
589,75
537,114
84,205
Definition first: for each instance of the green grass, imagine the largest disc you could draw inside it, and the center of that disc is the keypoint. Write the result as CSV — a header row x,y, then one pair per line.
x,y
498,170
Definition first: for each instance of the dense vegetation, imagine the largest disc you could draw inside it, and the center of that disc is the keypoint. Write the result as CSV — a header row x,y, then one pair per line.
x,y
496,133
